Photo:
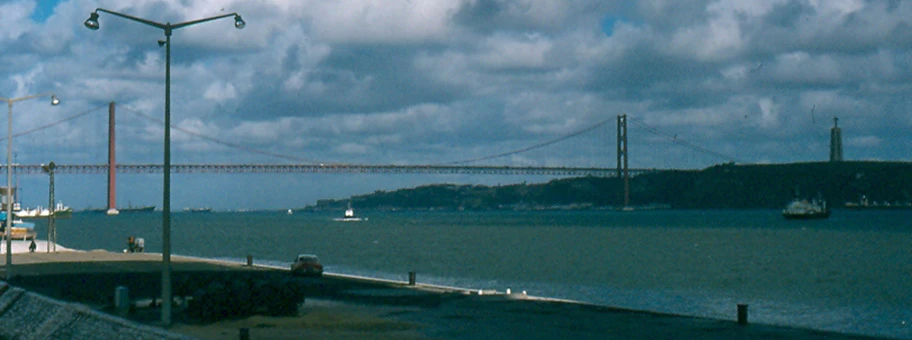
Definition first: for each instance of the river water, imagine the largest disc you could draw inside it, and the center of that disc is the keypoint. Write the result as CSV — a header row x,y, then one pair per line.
x,y
850,273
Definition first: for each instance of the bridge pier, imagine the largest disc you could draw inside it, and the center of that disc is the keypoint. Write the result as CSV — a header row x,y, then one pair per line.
x,y
112,164
622,170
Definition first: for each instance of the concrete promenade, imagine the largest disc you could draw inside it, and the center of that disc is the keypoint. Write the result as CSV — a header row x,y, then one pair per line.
x,y
22,247
336,306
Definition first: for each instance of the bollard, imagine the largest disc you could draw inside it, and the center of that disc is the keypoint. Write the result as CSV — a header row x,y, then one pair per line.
x,y
249,260
244,333
742,314
411,278
122,300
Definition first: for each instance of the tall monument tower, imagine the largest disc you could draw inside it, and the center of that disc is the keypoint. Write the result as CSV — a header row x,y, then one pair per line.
x,y
835,142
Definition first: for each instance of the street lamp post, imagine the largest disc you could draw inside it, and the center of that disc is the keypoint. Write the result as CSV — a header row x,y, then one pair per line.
x,y
92,23
52,228
8,233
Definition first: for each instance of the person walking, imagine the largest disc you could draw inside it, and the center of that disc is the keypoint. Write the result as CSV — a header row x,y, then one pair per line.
x,y
32,246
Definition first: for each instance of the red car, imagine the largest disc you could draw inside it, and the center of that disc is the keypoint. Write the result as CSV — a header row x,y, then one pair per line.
x,y
307,265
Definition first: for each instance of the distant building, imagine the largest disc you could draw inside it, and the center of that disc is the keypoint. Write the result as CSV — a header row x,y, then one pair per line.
x,y
835,142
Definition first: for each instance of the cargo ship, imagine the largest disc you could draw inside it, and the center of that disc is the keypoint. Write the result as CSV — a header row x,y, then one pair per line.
x,y
128,209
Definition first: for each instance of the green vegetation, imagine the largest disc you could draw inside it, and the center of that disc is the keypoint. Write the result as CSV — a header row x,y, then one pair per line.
x,y
726,186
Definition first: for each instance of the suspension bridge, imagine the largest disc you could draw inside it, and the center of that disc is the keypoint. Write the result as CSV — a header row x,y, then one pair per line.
x,y
470,166
323,168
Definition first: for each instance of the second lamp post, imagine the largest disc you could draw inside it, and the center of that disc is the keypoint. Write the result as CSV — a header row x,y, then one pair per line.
x,y
92,23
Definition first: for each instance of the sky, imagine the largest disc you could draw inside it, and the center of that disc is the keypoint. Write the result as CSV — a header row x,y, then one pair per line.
x,y
442,81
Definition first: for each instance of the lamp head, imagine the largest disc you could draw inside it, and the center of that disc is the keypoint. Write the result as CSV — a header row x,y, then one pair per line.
x,y
54,100
238,22
48,168
92,22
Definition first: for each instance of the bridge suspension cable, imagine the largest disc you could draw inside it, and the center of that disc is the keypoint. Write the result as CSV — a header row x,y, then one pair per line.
x,y
295,158
52,124
224,143
318,166
674,139
533,147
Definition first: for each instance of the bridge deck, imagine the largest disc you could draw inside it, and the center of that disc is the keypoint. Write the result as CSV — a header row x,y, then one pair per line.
x,y
36,169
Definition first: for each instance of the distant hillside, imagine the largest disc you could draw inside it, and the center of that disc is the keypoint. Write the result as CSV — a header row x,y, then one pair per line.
x,y
725,186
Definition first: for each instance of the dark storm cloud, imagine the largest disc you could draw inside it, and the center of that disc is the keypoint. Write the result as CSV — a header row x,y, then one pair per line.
x,y
788,15
797,26
668,16
550,17
352,79
646,74
482,15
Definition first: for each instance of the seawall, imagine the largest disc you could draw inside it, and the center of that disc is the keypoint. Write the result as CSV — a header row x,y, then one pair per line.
x,y
27,315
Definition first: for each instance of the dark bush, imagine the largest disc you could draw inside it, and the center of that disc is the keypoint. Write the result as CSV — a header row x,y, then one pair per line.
x,y
221,301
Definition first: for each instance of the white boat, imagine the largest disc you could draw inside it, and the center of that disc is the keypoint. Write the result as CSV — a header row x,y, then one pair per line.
x,y
60,210
349,216
25,213
802,209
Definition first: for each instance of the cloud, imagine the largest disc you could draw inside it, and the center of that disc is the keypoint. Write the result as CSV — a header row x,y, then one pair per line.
x,y
433,82
16,20
220,92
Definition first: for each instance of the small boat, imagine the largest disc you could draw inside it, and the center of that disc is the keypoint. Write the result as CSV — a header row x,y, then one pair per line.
x,y
349,216
62,211
19,231
199,210
803,209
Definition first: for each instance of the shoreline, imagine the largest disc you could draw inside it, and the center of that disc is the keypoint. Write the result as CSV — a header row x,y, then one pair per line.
x,y
361,306
372,312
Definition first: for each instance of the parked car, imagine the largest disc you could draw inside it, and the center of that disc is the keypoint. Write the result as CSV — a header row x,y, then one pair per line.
x,y
307,265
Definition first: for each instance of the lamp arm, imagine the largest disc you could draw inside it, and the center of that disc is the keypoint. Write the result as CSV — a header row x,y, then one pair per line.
x,y
10,101
194,22
130,17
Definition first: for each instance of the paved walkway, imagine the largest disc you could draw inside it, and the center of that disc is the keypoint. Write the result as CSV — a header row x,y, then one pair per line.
x,y
22,247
